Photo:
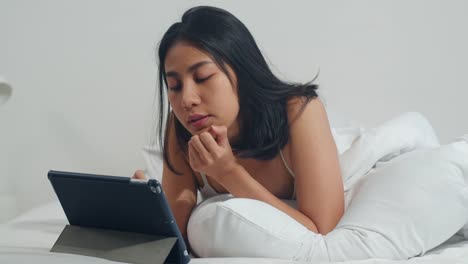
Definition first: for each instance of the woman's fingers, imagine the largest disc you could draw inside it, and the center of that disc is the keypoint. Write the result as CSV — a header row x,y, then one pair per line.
x,y
139,174
193,156
208,142
200,148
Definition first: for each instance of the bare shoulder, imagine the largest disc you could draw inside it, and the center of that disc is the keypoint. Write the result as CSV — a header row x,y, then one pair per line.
x,y
299,109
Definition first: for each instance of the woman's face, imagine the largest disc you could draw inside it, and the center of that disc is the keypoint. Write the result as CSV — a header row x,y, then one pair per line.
x,y
196,86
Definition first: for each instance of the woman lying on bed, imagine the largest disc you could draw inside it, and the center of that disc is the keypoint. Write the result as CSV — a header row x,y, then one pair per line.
x,y
236,128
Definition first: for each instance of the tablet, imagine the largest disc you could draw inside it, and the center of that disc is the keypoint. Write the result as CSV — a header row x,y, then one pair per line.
x,y
118,203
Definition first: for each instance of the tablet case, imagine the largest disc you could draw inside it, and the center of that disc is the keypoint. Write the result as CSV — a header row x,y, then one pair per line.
x,y
114,245
117,218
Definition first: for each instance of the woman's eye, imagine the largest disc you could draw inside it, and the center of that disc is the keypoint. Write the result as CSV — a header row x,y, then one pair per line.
x,y
203,79
175,88
199,80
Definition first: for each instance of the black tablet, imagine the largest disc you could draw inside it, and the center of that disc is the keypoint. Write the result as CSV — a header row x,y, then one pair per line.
x,y
118,203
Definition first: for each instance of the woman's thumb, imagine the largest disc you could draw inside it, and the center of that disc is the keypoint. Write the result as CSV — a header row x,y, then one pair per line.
x,y
139,174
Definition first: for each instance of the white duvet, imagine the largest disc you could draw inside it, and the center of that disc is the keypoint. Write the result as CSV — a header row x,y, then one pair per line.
x,y
362,149
28,239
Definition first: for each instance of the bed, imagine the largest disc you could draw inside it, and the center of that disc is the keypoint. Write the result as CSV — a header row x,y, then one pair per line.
x,y
29,237
363,154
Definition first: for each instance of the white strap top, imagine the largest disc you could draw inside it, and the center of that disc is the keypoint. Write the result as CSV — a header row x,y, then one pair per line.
x,y
207,191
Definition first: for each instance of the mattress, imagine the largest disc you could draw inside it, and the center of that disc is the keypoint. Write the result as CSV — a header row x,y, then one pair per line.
x,y
29,237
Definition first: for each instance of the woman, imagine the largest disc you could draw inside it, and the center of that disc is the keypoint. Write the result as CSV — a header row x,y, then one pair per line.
x,y
236,128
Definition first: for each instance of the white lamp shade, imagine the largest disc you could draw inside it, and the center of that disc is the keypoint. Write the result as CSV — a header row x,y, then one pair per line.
x,y
5,91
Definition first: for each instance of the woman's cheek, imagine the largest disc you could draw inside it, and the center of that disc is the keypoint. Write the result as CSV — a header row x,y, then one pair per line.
x,y
172,101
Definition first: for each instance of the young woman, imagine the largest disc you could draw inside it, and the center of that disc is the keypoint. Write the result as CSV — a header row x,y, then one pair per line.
x,y
234,127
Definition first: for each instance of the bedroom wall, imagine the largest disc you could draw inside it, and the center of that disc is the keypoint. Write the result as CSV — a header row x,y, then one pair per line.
x,y
84,74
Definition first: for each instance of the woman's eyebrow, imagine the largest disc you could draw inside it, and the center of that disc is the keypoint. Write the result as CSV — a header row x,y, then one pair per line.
x,y
190,69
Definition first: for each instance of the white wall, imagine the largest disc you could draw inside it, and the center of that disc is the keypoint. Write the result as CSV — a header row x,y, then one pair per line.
x,y
84,74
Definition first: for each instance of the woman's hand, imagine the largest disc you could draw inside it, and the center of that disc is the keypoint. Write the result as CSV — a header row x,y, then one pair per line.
x,y
139,174
211,153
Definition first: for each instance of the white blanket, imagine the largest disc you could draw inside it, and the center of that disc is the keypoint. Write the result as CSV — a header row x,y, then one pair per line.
x,y
361,149
29,237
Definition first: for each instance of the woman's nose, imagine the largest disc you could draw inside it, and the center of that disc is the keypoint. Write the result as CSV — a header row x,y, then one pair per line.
x,y
190,97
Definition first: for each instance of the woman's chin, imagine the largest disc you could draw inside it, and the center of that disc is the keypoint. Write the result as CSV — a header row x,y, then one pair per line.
x,y
198,132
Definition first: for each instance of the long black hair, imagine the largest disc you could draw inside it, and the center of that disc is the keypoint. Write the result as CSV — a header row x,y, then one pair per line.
x,y
263,125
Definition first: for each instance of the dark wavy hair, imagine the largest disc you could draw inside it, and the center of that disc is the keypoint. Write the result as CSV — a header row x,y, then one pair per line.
x,y
263,128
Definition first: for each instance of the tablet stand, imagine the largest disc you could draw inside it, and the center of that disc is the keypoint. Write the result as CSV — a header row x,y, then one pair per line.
x,y
114,245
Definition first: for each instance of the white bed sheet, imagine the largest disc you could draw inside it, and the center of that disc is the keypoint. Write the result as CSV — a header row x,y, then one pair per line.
x,y
29,237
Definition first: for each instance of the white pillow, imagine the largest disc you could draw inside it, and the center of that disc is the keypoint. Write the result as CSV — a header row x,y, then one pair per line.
x,y
154,162
406,207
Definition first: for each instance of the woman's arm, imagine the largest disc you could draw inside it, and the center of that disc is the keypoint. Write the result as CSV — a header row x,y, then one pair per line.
x,y
180,190
181,196
314,159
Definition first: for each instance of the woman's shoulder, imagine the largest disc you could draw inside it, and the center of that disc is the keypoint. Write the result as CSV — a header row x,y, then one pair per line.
x,y
296,105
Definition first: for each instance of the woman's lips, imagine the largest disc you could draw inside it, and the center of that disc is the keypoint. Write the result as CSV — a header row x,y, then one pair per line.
x,y
200,122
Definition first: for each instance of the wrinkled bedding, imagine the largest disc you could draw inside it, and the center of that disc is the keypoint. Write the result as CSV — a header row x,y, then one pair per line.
x,y
29,237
